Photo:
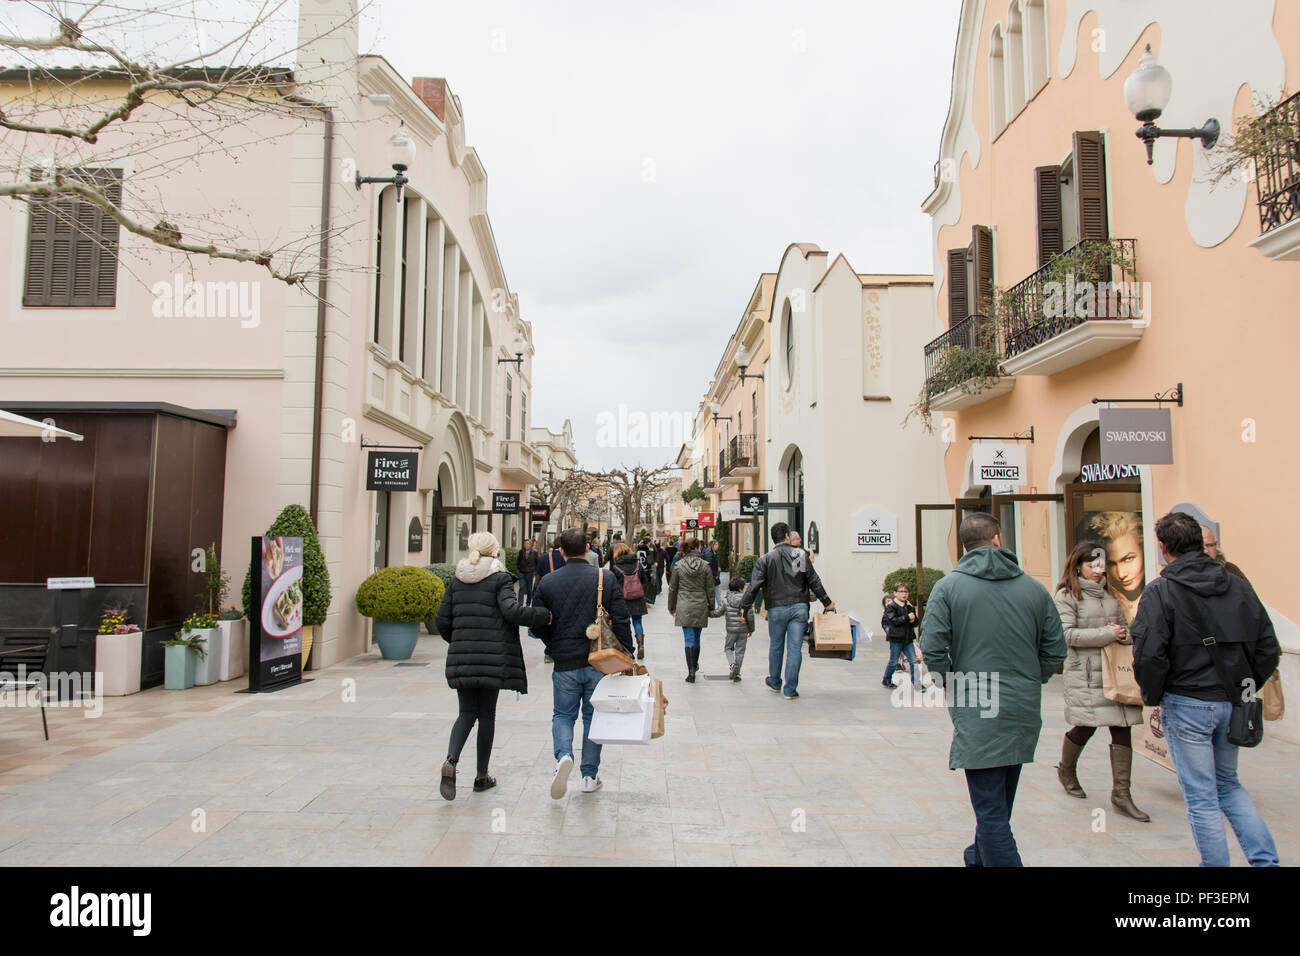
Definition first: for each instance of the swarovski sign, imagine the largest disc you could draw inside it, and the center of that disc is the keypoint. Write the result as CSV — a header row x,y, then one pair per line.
x,y
1136,436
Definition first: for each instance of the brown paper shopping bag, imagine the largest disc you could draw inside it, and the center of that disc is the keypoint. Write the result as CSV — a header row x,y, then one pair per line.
x,y
1117,680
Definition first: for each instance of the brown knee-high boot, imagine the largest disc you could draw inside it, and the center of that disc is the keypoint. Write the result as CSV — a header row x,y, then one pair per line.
x,y
640,647
1121,770
1067,769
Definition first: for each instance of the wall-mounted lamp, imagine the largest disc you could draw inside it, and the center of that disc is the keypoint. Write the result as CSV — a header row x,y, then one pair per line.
x,y
714,407
743,358
1147,91
520,347
401,153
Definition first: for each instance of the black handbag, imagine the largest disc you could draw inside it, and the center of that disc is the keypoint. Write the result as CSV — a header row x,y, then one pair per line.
x,y
1246,723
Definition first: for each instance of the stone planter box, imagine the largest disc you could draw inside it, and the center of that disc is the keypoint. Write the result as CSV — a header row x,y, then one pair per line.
x,y
117,660
178,662
208,668
233,659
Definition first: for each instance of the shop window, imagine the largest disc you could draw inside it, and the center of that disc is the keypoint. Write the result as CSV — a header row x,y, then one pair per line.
x,y
72,246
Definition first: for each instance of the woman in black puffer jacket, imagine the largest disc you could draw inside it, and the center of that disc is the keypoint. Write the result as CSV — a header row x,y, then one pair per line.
x,y
479,618
626,565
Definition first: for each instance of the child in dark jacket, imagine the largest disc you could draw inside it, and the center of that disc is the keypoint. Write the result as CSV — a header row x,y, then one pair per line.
x,y
740,623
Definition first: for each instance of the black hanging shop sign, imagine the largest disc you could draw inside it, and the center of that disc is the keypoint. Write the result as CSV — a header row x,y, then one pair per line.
x,y
392,470
415,537
540,512
753,502
505,502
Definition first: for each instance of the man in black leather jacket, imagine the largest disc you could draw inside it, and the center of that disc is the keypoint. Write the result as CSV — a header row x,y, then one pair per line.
x,y
785,577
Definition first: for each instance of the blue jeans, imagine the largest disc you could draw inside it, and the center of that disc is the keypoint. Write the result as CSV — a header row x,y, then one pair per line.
x,y
717,595
572,688
636,626
992,792
526,588
907,650
785,630
692,635
1197,732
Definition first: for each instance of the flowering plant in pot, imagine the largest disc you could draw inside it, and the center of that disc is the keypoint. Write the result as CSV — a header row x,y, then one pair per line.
x,y
183,654
202,627
117,653
398,599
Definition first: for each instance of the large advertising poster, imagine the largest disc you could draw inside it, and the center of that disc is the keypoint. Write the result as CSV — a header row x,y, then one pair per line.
x,y
275,619
1120,533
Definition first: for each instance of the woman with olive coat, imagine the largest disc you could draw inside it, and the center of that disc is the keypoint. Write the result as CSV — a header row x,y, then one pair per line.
x,y
690,600
1091,615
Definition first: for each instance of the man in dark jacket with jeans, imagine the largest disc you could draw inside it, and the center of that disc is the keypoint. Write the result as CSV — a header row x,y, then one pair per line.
x,y
569,593
785,577
527,564
1196,605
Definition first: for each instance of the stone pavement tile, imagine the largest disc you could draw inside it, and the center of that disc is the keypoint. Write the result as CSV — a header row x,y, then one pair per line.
x,y
181,832
791,856
462,849
704,854
605,861
86,854
736,836
502,858
415,833
266,819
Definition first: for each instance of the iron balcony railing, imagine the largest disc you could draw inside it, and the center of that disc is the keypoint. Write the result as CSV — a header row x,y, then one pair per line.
x,y
1277,173
1093,279
739,453
968,348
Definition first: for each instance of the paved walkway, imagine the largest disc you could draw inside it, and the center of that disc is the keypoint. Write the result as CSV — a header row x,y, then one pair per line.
x,y
317,775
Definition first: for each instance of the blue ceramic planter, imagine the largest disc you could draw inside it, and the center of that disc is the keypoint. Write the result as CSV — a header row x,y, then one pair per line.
x,y
396,639
178,667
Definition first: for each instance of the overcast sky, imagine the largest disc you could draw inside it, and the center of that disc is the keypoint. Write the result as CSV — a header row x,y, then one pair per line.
x,y
757,123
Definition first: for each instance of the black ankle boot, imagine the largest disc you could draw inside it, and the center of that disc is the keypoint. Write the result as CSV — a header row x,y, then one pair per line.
x,y
692,659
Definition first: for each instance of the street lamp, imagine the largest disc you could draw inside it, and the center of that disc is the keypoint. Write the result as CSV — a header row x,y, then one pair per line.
x,y
714,407
520,347
401,154
1147,91
743,358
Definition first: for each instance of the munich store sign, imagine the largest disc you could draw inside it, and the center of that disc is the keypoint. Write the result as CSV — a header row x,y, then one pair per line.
x,y
999,464
505,502
1137,436
392,470
873,530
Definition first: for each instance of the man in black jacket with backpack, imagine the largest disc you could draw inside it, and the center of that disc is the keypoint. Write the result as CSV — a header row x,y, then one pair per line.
x,y
1202,645
569,593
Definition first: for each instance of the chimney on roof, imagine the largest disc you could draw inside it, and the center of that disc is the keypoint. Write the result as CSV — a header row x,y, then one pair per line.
x,y
433,90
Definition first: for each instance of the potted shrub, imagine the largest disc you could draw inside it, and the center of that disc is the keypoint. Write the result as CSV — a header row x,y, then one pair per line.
x,y
929,578
398,599
202,628
294,522
182,656
117,653
445,573
234,644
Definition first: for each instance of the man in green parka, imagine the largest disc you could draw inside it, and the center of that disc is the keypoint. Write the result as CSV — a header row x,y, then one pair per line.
x,y
993,636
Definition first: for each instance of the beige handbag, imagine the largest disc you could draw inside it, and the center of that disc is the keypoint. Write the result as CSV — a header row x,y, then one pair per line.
x,y
607,653
1117,680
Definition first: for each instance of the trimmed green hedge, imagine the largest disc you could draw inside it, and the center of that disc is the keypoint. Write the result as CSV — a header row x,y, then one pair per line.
x,y
402,594
294,522
930,577
511,560
745,567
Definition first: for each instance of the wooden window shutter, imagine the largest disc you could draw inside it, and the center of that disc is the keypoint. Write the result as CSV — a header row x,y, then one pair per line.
x,y
1047,196
1090,188
40,251
958,300
109,231
72,249
982,294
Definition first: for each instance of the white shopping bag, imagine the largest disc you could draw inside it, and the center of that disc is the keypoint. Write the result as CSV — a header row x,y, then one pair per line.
x,y
863,631
622,727
621,693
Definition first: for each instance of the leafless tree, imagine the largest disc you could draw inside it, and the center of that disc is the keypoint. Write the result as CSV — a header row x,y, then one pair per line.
x,y
166,88
630,488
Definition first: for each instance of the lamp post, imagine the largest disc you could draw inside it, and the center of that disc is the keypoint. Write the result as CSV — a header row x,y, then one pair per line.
x,y
401,154
1147,91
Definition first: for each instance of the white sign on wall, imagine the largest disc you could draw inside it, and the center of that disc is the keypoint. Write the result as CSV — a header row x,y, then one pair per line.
x,y
729,510
873,530
997,463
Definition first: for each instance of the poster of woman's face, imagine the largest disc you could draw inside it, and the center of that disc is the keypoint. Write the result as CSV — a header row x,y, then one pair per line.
x,y
1121,533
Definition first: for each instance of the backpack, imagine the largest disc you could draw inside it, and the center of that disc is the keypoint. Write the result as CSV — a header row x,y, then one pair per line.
x,y
632,589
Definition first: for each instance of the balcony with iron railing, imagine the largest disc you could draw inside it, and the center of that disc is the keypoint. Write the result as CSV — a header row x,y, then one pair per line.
x,y
1083,303
1277,181
963,366
712,483
738,461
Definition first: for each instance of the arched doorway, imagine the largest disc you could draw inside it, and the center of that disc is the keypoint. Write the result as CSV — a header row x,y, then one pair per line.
x,y
790,487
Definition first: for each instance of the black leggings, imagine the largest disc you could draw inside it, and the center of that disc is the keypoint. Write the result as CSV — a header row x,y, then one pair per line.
x,y
476,704
1119,736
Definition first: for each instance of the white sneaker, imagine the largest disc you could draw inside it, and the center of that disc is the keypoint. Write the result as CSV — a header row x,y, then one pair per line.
x,y
560,782
591,784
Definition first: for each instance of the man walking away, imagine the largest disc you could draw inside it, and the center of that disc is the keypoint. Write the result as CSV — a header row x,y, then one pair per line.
x,y
553,560
527,564
569,593
1193,611
998,633
785,577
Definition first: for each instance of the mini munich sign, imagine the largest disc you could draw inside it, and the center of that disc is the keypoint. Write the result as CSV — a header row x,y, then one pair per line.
x,y
873,529
999,463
